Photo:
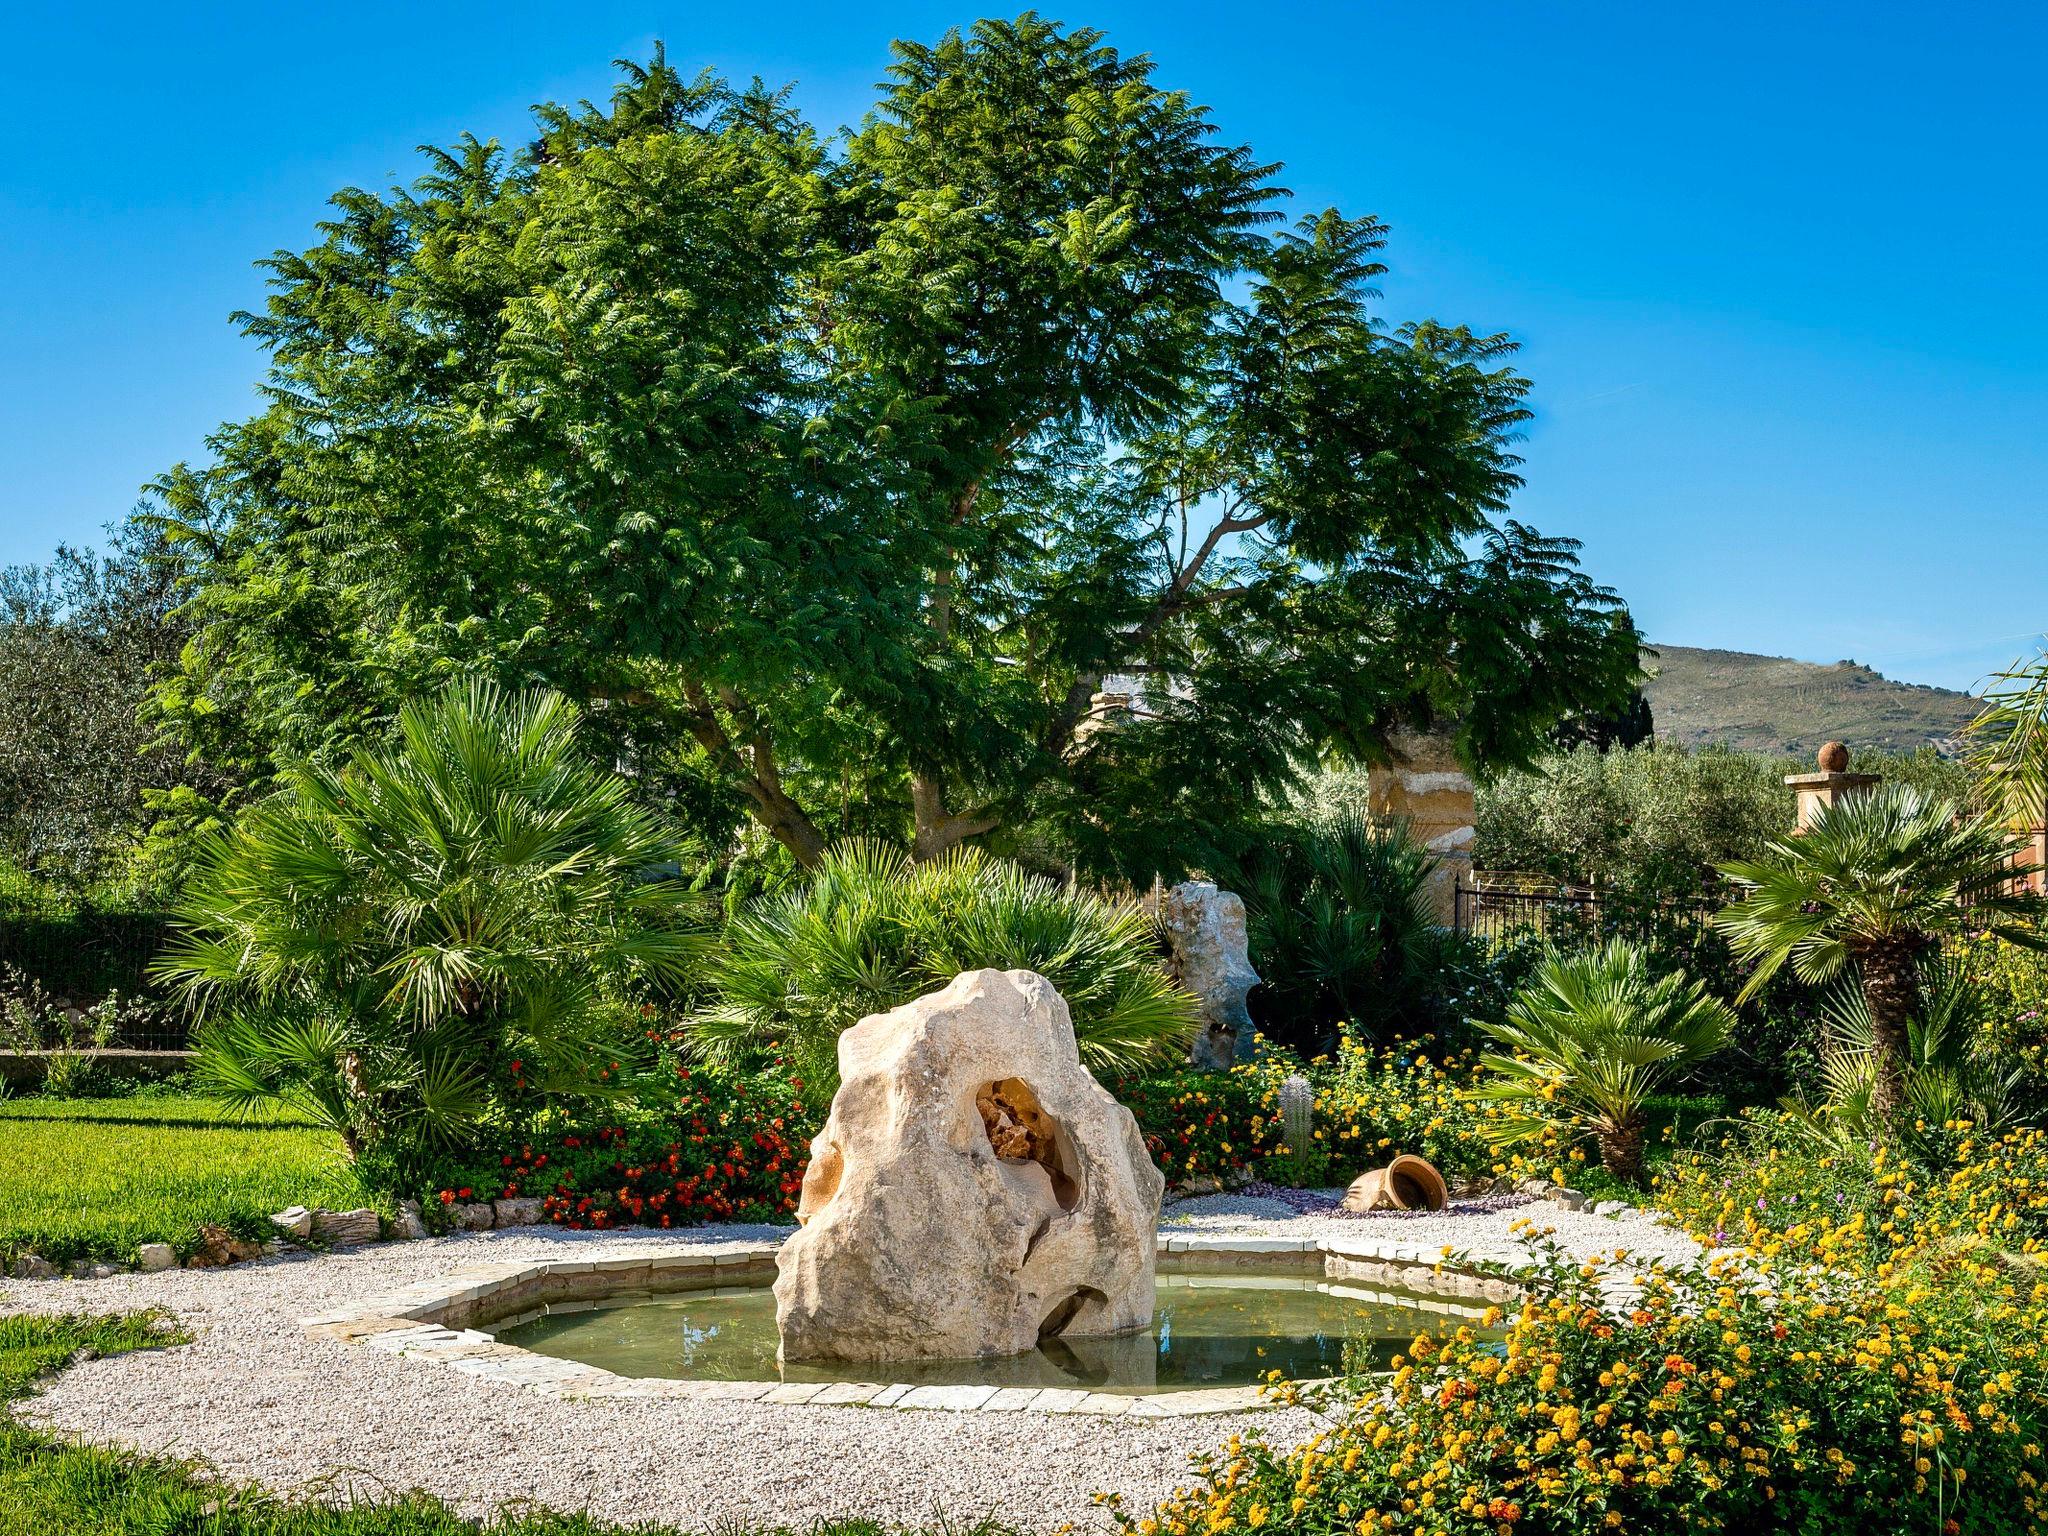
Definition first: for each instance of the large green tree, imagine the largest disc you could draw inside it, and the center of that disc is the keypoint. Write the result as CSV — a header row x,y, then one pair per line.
x,y
80,639
850,475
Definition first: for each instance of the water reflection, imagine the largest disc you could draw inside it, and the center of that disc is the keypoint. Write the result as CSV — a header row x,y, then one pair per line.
x,y
1207,1331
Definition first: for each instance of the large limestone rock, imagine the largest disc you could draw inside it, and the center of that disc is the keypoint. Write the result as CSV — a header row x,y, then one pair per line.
x,y
974,1190
1205,932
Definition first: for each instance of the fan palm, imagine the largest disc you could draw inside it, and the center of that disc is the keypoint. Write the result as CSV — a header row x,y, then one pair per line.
x,y
1589,1038
438,933
1873,883
870,930
2009,741
1949,1075
1339,922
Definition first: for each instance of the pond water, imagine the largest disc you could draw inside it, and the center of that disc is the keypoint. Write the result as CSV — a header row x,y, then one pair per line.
x,y
1207,1331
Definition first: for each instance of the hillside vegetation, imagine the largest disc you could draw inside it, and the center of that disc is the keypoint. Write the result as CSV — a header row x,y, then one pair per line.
x,y
1774,704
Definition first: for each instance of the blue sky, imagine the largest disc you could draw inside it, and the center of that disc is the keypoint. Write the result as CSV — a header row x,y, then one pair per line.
x,y
1777,267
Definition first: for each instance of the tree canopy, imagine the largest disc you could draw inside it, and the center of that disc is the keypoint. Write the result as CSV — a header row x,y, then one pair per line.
x,y
79,774
1003,466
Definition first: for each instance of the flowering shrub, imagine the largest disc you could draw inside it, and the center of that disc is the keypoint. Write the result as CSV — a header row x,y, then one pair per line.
x,y
1199,1125
1369,1105
1767,1399
2014,982
1862,1344
729,1146
1372,1104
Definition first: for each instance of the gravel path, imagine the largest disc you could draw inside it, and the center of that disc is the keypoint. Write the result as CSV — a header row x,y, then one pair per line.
x,y
258,1399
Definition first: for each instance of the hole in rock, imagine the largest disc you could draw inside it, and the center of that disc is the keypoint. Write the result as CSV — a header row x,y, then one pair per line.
x,y
821,1182
1020,1130
1065,1310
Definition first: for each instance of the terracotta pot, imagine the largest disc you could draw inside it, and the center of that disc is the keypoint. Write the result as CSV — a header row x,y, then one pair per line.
x,y
1370,1192
1415,1184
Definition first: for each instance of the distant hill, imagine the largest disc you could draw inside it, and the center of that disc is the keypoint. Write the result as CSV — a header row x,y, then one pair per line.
x,y
1773,704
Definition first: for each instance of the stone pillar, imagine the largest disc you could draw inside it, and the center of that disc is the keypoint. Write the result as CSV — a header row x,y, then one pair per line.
x,y
1426,786
1830,787
1205,933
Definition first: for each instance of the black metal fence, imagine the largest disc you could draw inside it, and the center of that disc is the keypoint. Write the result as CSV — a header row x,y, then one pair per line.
x,y
81,978
1502,912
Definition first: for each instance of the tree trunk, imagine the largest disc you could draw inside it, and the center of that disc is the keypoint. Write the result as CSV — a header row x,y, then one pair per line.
x,y
756,773
1891,990
937,831
787,823
1621,1149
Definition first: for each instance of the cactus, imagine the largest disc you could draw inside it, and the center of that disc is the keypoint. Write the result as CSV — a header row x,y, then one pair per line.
x,y
1297,1124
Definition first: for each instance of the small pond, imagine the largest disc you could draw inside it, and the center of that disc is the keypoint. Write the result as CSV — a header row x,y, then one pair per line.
x,y
1224,1330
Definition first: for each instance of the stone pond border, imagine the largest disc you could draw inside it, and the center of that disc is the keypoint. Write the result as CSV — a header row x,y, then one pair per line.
x,y
434,1321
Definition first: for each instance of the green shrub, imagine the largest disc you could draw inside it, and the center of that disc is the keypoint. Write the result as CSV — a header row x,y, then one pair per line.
x,y
1867,889
2014,984
1775,1403
1200,1126
445,936
870,931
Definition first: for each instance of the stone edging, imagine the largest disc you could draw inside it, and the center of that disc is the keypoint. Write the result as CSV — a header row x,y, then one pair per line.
x,y
433,1320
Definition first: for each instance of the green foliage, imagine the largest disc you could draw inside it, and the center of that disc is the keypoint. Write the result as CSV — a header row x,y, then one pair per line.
x,y
2013,982
1369,1105
441,936
79,641
847,473
1877,881
2009,741
1724,1397
93,1179
1588,1041
1645,817
1341,930
870,931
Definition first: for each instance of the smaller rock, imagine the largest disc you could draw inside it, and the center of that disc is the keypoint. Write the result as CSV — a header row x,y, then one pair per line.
x,y
1612,1208
521,1212
474,1216
344,1227
105,1271
154,1258
1537,1187
79,1269
294,1221
409,1223
273,1248
33,1266
217,1246
1570,1199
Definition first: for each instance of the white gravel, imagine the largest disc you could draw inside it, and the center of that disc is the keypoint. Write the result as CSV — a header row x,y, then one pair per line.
x,y
259,1400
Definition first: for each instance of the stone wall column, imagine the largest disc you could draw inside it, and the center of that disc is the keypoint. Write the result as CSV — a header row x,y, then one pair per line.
x,y
1832,786
1426,786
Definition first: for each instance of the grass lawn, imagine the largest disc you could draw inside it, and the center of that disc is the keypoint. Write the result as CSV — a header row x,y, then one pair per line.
x,y
93,1178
